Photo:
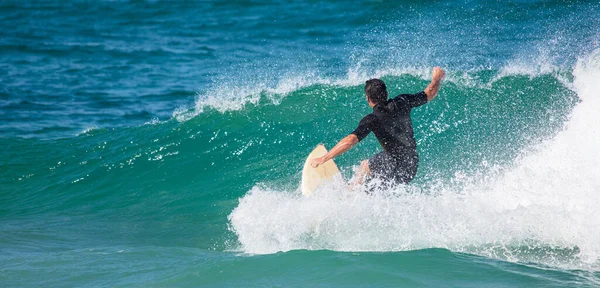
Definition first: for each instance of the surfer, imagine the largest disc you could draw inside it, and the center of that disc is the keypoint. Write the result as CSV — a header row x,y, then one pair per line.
x,y
392,125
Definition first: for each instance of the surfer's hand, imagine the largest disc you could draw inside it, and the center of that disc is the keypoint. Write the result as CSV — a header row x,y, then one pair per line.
x,y
438,73
315,162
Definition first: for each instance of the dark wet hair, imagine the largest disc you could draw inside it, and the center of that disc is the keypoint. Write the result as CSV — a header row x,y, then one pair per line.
x,y
376,91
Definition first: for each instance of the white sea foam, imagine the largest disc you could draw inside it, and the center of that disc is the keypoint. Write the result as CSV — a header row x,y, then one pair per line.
x,y
86,130
544,209
235,97
540,63
232,97
153,121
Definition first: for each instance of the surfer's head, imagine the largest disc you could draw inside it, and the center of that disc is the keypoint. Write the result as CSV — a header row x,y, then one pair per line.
x,y
376,91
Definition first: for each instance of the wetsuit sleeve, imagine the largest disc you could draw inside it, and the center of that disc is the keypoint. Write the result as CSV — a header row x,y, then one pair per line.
x,y
364,127
412,100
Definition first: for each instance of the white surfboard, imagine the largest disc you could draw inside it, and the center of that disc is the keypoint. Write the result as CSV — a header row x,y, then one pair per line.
x,y
314,177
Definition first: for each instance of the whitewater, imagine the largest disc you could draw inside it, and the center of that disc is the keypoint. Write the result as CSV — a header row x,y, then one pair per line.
x,y
542,208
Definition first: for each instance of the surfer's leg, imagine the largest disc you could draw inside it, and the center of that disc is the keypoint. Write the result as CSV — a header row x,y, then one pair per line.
x,y
363,170
376,166
382,167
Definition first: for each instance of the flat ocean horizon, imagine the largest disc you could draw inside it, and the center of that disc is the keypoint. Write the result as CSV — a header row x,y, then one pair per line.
x,y
161,143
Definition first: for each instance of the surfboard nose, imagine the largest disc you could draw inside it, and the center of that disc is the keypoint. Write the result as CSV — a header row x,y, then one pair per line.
x,y
314,177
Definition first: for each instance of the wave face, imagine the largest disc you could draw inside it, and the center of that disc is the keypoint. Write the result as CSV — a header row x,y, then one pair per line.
x,y
172,139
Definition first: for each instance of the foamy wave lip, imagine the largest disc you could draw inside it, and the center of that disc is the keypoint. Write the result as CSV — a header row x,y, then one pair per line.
x,y
235,97
533,66
519,67
86,130
542,210
222,99
153,121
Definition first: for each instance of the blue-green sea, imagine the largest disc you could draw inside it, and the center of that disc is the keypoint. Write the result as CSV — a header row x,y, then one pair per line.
x,y
160,143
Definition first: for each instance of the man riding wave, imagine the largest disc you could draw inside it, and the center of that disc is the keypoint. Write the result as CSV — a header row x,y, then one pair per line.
x,y
391,123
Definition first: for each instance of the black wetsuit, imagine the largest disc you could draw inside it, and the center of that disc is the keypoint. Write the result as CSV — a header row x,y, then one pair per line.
x,y
391,124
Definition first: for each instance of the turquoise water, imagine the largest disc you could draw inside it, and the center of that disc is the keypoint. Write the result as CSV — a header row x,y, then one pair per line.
x,y
160,144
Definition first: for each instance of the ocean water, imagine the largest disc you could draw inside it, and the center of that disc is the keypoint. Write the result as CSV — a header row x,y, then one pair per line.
x,y
160,143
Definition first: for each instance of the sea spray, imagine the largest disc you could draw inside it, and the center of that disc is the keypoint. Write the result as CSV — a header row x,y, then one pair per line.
x,y
544,201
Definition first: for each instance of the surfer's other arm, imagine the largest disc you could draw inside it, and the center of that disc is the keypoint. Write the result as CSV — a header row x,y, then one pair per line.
x,y
339,149
434,87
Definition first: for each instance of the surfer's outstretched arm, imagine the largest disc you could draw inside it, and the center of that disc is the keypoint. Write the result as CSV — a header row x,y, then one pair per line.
x,y
434,86
339,149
